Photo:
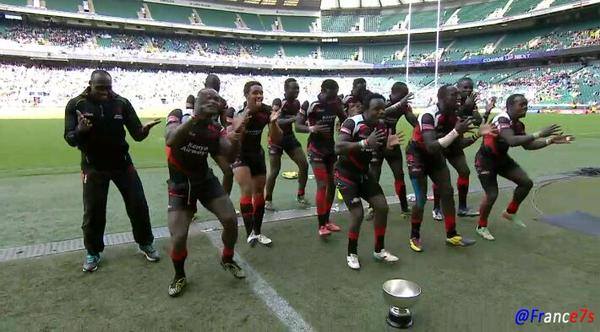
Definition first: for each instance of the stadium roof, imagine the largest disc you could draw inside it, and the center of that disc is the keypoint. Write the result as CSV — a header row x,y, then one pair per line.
x,y
270,4
343,4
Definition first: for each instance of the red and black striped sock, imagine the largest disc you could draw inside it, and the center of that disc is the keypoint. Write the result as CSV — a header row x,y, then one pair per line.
x,y
259,212
352,242
246,210
178,258
463,189
379,238
401,193
513,207
227,255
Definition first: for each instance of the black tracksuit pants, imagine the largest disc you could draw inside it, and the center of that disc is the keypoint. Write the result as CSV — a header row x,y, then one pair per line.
x,y
95,192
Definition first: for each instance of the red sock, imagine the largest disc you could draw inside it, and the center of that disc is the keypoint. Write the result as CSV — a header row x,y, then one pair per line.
x,y
178,258
512,207
400,188
321,195
450,223
258,212
462,184
352,242
227,255
300,192
379,238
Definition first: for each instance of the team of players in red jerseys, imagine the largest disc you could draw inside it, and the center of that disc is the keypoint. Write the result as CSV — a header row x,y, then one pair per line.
x,y
352,162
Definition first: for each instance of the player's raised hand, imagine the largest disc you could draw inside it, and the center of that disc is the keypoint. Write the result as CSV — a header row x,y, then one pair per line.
x,y
471,100
550,130
319,129
490,105
464,125
394,140
274,115
376,138
488,129
562,139
146,128
239,122
83,124
405,101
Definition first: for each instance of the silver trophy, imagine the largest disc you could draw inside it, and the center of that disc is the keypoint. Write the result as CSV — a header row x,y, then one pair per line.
x,y
400,295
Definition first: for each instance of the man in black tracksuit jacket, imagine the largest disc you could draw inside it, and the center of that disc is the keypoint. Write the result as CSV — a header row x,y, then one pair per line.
x,y
94,123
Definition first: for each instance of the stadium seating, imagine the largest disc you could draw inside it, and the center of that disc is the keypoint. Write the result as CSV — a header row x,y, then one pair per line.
x,y
63,5
217,18
267,49
338,23
14,2
253,22
388,21
467,47
521,6
299,50
296,23
479,12
371,22
343,52
170,13
118,8
379,53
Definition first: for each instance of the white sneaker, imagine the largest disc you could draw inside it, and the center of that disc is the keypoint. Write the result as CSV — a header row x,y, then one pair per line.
x,y
485,233
265,241
352,261
335,207
437,215
252,239
385,256
269,206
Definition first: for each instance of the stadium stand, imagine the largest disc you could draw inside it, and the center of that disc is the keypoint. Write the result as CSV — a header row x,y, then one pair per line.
x,y
343,52
217,18
338,23
296,23
479,12
518,7
63,5
14,2
118,8
170,13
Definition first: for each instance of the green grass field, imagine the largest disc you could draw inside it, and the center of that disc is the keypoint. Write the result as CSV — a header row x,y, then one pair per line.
x,y
472,289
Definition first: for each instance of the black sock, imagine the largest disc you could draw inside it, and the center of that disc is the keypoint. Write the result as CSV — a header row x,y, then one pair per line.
x,y
415,230
451,233
179,270
352,246
322,219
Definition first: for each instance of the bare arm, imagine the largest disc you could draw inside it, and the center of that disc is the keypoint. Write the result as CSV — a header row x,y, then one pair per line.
x,y
301,119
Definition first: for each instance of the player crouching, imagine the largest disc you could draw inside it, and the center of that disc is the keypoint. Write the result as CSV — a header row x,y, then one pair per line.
x,y
190,179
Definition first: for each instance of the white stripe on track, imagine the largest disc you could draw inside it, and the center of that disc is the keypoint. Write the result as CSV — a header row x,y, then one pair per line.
x,y
278,305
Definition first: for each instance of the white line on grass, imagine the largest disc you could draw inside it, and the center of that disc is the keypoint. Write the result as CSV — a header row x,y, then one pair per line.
x,y
58,247
280,307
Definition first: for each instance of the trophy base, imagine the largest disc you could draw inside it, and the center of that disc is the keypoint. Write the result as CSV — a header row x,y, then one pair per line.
x,y
399,318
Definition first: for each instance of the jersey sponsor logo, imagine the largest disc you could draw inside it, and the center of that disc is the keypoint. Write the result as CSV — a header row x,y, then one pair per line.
x,y
426,126
196,149
255,132
118,116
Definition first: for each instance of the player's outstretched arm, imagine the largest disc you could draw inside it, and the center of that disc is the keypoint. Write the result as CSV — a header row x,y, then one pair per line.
x,y
410,117
301,119
137,131
275,132
345,145
433,144
177,132
527,141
